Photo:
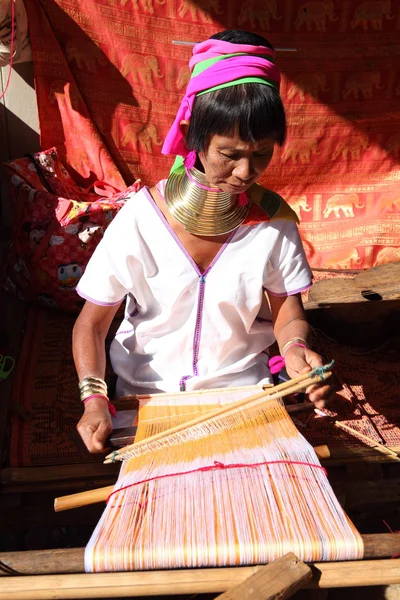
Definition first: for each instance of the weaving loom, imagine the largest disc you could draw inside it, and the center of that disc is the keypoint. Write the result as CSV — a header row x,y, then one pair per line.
x,y
260,492
241,488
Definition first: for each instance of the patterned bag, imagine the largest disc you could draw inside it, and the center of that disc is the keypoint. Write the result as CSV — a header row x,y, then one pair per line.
x,y
57,227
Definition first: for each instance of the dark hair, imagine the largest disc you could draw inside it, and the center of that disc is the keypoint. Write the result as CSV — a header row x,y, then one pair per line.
x,y
255,109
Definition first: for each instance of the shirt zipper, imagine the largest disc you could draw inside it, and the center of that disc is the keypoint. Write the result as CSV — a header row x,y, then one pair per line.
x,y
197,333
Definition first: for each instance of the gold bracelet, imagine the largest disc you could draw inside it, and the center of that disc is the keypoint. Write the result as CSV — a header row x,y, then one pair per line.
x,y
92,386
92,395
92,380
93,392
292,342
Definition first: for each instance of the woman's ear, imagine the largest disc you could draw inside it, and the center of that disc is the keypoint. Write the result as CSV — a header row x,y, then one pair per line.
x,y
184,126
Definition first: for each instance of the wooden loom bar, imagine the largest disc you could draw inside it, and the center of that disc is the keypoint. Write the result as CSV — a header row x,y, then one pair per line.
x,y
82,498
283,389
188,581
101,494
280,579
71,560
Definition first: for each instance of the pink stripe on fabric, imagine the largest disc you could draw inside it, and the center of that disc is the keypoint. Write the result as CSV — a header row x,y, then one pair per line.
x,y
171,231
178,241
160,187
223,71
98,302
125,331
213,48
220,251
291,293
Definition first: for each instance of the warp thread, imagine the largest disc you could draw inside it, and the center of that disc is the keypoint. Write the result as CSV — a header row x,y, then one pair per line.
x,y
219,465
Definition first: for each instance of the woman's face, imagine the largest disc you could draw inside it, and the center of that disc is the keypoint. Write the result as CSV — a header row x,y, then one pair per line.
x,y
233,165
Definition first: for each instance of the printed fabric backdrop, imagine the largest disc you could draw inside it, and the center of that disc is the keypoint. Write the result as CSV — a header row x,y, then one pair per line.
x,y
109,80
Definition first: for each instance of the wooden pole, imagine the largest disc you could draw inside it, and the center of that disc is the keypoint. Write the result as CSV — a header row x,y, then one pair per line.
x,y
101,494
377,445
82,498
71,560
280,579
188,581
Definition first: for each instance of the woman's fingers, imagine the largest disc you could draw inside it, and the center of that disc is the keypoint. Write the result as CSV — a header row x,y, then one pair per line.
x,y
300,361
100,436
323,394
94,429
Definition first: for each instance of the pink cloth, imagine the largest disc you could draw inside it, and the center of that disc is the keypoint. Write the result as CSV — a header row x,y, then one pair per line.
x,y
221,72
276,364
213,48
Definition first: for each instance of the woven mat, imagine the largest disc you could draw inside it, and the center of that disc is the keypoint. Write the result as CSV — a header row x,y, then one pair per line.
x,y
46,386
368,400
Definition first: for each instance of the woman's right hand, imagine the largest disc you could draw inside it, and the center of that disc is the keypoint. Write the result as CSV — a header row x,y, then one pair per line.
x,y
95,425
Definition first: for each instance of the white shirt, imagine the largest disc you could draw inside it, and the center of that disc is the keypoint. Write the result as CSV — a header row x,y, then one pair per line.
x,y
184,329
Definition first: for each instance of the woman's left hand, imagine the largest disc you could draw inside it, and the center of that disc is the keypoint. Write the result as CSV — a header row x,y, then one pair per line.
x,y
302,360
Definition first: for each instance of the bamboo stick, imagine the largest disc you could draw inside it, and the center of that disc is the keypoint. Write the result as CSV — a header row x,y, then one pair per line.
x,y
101,494
188,581
71,560
82,498
284,389
378,445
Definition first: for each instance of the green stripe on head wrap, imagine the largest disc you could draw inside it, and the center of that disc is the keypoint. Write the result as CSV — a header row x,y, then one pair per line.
x,y
205,64
238,82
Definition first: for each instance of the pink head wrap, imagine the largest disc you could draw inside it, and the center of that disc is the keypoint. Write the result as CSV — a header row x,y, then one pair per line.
x,y
247,64
214,48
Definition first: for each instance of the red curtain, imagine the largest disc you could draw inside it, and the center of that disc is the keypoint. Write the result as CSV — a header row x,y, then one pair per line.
x,y
109,80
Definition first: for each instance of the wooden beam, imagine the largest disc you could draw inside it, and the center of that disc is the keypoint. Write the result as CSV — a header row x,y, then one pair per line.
x,y
188,581
367,287
280,579
57,473
90,475
71,560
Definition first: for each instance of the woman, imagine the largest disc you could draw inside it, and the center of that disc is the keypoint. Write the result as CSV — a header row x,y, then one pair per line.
x,y
211,263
